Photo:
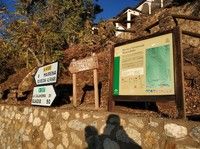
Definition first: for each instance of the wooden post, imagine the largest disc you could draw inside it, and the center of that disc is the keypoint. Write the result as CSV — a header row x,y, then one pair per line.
x,y
74,88
180,97
96,92
111,101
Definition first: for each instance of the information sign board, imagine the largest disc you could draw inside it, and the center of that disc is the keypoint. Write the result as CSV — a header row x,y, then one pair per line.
x,y
144,67
149,69
47,74
43,95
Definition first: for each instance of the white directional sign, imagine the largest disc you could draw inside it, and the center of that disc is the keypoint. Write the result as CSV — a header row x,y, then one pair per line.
x,y
43,95
47,74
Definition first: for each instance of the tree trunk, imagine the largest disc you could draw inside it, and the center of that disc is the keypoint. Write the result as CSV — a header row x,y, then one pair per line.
x,y
35,57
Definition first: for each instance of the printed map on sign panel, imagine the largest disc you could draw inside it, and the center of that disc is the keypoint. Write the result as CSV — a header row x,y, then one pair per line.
x,y
158,67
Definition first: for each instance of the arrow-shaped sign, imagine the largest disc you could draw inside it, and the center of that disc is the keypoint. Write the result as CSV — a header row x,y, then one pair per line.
x,y
47,74
43,95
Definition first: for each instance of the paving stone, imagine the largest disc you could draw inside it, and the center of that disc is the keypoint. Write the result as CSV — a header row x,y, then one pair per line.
x,y
12,115
65,140
36,112
151,140
22,119
175,131
85,116
75,139
28,130
94,124
137,122
25,138
37,121
76,125
109,144
195,133
178,146
50,145
44,145
30,118
48,134
102,129
26,111
122,122
63,126
65,115
43,114
72,147
153,124
59,147
17,116
77,115
108,129
41,127
97,116
2,108
134,134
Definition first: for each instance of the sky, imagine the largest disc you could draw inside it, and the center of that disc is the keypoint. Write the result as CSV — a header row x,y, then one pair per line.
x,y
10,4
113,7
110,7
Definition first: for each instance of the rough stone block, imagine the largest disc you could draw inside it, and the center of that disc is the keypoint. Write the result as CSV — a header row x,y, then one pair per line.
x,y
175,131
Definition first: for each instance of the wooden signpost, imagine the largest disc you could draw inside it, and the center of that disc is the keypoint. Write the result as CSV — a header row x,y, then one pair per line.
x,y
89,63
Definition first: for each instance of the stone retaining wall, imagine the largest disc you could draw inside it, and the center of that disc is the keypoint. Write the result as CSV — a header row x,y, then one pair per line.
x,y
35,127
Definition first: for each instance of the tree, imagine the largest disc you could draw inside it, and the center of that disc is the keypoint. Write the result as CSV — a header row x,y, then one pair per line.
x,y
8,60
66,16
48,26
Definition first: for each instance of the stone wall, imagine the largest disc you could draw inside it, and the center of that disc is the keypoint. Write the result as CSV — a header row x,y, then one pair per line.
x,y
37,127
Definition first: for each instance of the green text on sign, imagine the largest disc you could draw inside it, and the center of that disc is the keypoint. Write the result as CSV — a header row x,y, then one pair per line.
x,y
41,90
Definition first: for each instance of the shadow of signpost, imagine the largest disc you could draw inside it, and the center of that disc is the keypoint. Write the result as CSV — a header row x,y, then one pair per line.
x,y
63,91
113,137
88,88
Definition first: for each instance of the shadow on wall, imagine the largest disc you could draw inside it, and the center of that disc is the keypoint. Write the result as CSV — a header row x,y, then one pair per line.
x,y
113,137
88,88
63,92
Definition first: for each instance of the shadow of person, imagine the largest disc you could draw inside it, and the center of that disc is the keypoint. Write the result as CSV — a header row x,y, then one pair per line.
x,y
115,137
92,138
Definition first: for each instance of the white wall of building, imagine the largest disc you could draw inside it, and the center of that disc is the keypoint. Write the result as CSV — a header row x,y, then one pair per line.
x,y
131,13
119,27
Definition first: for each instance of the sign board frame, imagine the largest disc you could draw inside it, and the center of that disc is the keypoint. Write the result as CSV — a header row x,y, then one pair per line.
x,y
178,95
57,70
